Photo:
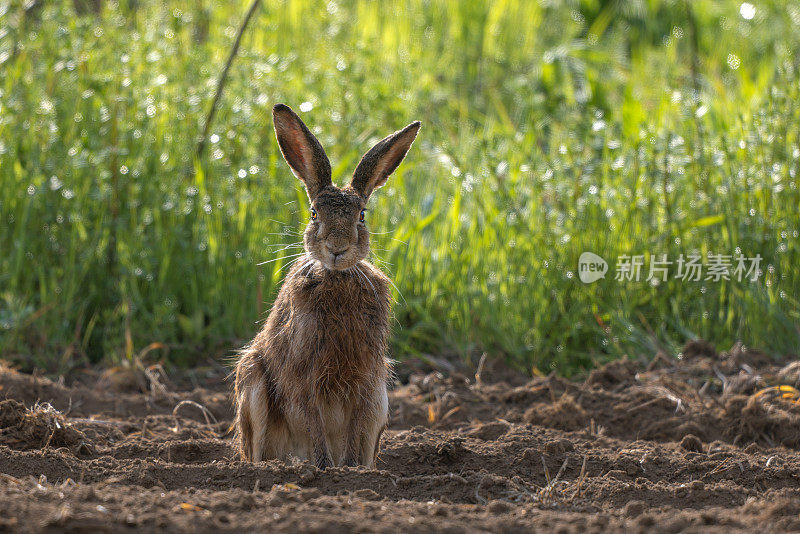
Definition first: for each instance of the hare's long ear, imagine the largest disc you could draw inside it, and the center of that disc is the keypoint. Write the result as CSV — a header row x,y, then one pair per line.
x,y
301,150
382,159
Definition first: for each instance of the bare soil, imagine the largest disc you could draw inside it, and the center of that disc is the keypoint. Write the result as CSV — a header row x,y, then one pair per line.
x,y
688,444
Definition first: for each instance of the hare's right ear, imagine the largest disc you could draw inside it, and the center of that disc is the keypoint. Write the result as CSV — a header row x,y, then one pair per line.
x,y
382,159
301,150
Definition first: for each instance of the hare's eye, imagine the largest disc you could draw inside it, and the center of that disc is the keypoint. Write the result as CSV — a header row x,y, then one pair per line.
x,y
361,217
313,214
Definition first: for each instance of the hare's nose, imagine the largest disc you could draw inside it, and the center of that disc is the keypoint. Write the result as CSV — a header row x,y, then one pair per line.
x,y
337,253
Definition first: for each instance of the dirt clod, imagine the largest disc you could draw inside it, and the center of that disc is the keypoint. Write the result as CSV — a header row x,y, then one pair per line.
x,y
498,507
42,426
634,509
692,443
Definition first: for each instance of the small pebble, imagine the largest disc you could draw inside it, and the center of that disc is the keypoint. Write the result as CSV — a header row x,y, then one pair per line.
x,y
752,449
634,509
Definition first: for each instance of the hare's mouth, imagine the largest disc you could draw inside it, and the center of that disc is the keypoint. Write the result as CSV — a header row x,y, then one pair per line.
x,y
339,260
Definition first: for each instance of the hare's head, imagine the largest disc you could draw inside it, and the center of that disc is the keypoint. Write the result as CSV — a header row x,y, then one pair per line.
x,y
337,234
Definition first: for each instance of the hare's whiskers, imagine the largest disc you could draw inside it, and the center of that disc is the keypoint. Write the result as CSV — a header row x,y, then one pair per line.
x,y
286,232
375,256
285,246
392,238
383,263
281,223
308,266
363,277
374,291
296,260
282,258
354,271
378,258
398,291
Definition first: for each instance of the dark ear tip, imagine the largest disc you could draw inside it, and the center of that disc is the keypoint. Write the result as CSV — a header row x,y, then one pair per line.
x,y
281,108
413,127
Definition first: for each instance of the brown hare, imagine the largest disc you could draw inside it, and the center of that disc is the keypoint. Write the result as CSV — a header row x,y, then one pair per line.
x,y
312,384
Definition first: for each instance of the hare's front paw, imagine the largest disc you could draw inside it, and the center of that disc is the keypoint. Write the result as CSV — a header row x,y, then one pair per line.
x,y
324,462
322,456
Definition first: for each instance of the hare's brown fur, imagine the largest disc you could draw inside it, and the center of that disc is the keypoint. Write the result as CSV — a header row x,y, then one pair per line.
x,y
312,384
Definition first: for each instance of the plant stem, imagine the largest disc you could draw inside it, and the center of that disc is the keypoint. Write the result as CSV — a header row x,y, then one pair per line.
x,y
201,144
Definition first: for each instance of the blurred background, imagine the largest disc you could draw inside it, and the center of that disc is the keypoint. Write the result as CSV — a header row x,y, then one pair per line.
x,y
550,128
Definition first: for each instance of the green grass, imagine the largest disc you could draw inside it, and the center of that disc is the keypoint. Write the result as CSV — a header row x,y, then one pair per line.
x,y
550,128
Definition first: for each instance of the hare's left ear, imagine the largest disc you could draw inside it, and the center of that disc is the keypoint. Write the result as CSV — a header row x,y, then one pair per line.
x,y
382,159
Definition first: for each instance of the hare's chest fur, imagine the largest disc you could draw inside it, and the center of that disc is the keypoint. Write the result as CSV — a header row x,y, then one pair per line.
x,y
339,328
